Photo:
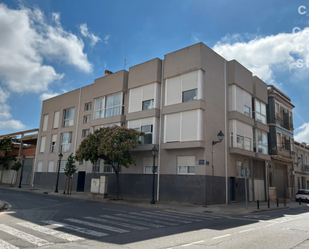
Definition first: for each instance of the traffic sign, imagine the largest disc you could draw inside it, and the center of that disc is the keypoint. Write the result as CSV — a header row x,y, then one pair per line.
x,y
245,172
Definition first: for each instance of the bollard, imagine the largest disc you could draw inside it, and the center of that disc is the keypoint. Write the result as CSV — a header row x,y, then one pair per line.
x,y
277,202
299,201
284,202
258,204
268,203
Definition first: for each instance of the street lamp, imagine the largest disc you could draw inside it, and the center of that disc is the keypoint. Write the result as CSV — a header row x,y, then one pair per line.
x,y
60,157
154,151
220,137
22,169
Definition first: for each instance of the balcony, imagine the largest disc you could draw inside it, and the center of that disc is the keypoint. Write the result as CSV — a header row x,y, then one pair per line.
x,y
282,150
305,168
284,121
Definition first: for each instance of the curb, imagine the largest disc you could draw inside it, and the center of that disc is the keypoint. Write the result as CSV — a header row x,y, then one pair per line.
x,y
270,209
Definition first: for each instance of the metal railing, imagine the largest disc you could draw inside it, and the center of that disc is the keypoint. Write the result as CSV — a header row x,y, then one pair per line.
x,y
281,149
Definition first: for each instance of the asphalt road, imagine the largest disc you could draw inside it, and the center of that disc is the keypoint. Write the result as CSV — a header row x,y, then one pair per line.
x,y
37,220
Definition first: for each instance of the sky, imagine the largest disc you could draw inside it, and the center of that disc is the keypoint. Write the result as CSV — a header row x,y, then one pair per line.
x,y
54,46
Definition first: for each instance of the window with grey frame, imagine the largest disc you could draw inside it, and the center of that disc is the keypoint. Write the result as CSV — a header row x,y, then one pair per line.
x,y
189,95
88,106
66,140
148,104
87,119
113,105
147,129
85,133
109,168
96,167
68,117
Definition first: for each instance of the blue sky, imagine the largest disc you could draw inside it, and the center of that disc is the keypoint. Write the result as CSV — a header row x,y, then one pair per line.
x,y
50,47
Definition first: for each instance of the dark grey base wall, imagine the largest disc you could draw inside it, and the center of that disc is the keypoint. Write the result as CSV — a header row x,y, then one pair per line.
x,y
192,189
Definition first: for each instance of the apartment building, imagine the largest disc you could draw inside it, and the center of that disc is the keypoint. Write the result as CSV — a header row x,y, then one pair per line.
x,y
301,166
280,143
181,103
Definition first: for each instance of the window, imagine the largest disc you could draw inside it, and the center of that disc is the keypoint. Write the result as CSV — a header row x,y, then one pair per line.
x,y
109,168
97,127
243,143
42,148
113,105
68,117
56,119
66,140
260,111
239,167
82,162
232,138
87,119
96,167
99,108
62,165
148,169
147,129
247,111
53,143
261,141
88,106
189,95
85,133
45,122
51,166
40,166
148,104
148,165
186,164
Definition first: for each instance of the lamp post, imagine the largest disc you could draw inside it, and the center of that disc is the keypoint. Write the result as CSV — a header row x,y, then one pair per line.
x,y
220,137
60,157
154,151
22,169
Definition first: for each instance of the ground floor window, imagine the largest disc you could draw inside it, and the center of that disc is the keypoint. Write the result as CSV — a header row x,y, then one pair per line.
x,y
239,167
186,164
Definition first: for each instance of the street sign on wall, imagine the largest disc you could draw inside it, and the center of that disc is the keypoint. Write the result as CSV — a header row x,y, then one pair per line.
x,y
245,172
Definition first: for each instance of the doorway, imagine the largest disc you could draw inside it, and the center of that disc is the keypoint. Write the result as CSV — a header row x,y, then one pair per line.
x,y
232,189
81,181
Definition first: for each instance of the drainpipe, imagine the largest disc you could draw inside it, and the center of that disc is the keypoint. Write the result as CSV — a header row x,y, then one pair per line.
x,y
77,121
160,131
225,140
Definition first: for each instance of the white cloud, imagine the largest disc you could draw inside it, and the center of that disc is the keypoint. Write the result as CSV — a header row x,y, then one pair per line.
x,y
302,133
263,55
26,40
5,111
12,124
48,95
4,95
107,38
85,32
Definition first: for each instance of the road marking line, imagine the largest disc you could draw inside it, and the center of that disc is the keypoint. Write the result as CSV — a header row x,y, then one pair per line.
x,y
97,225
133,221
74,228
161,218
193,243
223,236
115,210
248,230
6,245
147,219
49,231
117,223
172,216
24,236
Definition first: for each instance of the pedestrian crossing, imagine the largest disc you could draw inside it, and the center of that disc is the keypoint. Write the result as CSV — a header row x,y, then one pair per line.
x,y
48,232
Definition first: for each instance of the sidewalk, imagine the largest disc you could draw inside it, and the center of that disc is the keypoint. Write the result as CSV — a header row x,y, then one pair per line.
x,y
221,209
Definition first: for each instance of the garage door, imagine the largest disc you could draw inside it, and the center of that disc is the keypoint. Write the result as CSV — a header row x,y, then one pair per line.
x,y
280,180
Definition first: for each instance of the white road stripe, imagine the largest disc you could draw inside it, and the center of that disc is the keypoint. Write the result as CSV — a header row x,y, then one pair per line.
x,y
49,231
201,216
193,243
161,218
97,225
115,210
248,230
171,216
24,236
74,228
148,219
6,245
223,236
117,223
133,221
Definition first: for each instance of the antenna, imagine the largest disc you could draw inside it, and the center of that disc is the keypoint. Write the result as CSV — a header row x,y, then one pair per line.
x,y
125,63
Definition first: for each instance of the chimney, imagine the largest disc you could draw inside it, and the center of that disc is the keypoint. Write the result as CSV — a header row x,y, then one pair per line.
x,y
107,72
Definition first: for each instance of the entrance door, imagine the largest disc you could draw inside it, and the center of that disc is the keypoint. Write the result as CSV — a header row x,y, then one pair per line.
x,y
27,171
232,189
81,181
280,180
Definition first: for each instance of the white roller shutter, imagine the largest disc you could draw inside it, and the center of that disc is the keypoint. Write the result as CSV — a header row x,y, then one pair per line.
x,y
239,100
51,166
172,127
173,91
43,141
40,166
189,81
54,138
45,122
133,124
148,92
240,128
189,125
56,119
186,161
190,160
135,104
247,99
147,121
248,131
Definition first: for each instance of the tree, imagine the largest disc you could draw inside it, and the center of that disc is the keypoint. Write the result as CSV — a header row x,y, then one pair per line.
x,y
6,144
69,170
112,144
16,166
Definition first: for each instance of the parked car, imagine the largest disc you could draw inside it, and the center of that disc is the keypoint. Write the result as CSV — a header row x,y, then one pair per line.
x,y
302,194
